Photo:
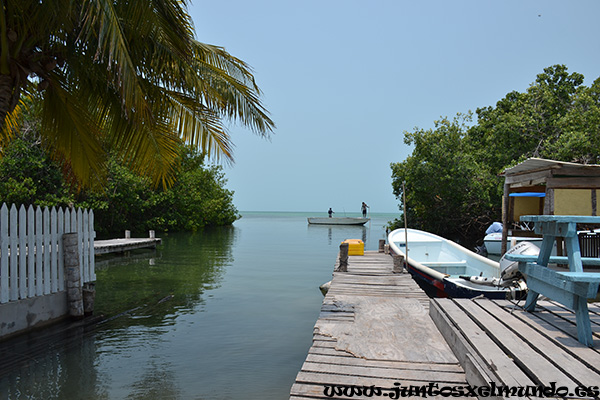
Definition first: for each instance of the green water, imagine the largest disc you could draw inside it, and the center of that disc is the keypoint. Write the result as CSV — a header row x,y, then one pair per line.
x,y
222,314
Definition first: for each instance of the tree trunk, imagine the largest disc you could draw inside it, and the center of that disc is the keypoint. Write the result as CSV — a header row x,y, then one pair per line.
x,y
9,96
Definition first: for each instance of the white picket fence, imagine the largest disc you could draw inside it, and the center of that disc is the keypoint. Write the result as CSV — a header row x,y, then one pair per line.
x,y
31,252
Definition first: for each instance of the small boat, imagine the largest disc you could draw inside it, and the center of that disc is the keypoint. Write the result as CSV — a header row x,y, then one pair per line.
x,y
337,221
493,242
446,269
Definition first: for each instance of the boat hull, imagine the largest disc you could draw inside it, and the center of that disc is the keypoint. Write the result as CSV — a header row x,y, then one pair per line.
x,y
440,266
337,221
451,288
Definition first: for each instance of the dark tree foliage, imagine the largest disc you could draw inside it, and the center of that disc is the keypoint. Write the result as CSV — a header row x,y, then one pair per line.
x,y
448,191
128,201
453,187
29,176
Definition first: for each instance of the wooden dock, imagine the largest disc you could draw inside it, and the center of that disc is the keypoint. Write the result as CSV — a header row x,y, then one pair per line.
x,y
374,329
123,245
379,329
496,341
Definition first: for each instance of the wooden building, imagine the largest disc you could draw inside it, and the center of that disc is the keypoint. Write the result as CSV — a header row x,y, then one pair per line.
x,y
547,187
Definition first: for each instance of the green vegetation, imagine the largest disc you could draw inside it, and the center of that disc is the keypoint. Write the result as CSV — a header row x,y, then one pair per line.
x,y
452,183
29,176
127,75
128,201
197,199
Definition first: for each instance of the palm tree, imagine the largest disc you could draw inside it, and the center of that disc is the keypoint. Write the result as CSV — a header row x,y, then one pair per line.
x,y
127,74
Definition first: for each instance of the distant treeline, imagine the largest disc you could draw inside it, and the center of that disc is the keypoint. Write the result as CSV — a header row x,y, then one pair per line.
x,y
196,199
451,177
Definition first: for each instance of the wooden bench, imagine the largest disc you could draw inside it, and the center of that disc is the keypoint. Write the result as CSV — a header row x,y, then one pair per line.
x,y
552,260
571,288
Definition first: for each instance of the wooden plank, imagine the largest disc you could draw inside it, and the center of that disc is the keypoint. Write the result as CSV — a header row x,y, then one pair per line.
x,y
53,250
31,281
39,260
67,226
85,266
314,385
45,249
476,371
372,371
312,391
573,183
335,357
567,314
533,363
61,265
14,254
341,379
4,295
22,253
79,230
497,362
92,246
589,357
562,359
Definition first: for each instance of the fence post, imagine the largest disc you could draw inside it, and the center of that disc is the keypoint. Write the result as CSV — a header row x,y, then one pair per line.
x,y
73,274
381,245
343,267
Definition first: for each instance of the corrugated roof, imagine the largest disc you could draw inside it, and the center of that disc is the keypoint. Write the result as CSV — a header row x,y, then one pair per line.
x,y
534,164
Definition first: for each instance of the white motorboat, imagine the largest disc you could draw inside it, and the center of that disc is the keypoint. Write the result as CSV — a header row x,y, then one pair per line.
x,y
446,269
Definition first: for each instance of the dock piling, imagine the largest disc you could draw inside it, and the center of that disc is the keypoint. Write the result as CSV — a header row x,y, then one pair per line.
x,y
89,294
398,267
343,267
73,275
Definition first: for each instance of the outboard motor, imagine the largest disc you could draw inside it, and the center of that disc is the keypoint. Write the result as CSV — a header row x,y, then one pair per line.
x,y
481,250
509,270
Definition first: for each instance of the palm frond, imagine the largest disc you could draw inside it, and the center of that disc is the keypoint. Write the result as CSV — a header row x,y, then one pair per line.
x,y
69,128
228,86
102,25
127,75
199,126
12,123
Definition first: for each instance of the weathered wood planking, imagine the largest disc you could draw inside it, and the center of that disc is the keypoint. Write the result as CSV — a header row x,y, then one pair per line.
x,y
122,245
519,348
374,329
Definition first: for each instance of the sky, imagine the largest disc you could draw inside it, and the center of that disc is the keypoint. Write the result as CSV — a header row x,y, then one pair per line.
x,y
343,80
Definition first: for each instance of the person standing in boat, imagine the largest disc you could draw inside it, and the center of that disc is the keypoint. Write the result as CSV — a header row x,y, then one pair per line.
x,y
364,209
330,212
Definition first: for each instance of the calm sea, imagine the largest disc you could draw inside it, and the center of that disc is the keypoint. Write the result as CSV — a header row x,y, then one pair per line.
x,y
226,313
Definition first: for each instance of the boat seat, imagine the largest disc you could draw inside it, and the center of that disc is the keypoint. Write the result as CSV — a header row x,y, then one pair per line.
x,y
448,263
448,267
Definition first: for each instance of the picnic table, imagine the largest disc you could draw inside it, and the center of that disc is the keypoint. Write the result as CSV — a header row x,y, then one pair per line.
x,y
571,288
